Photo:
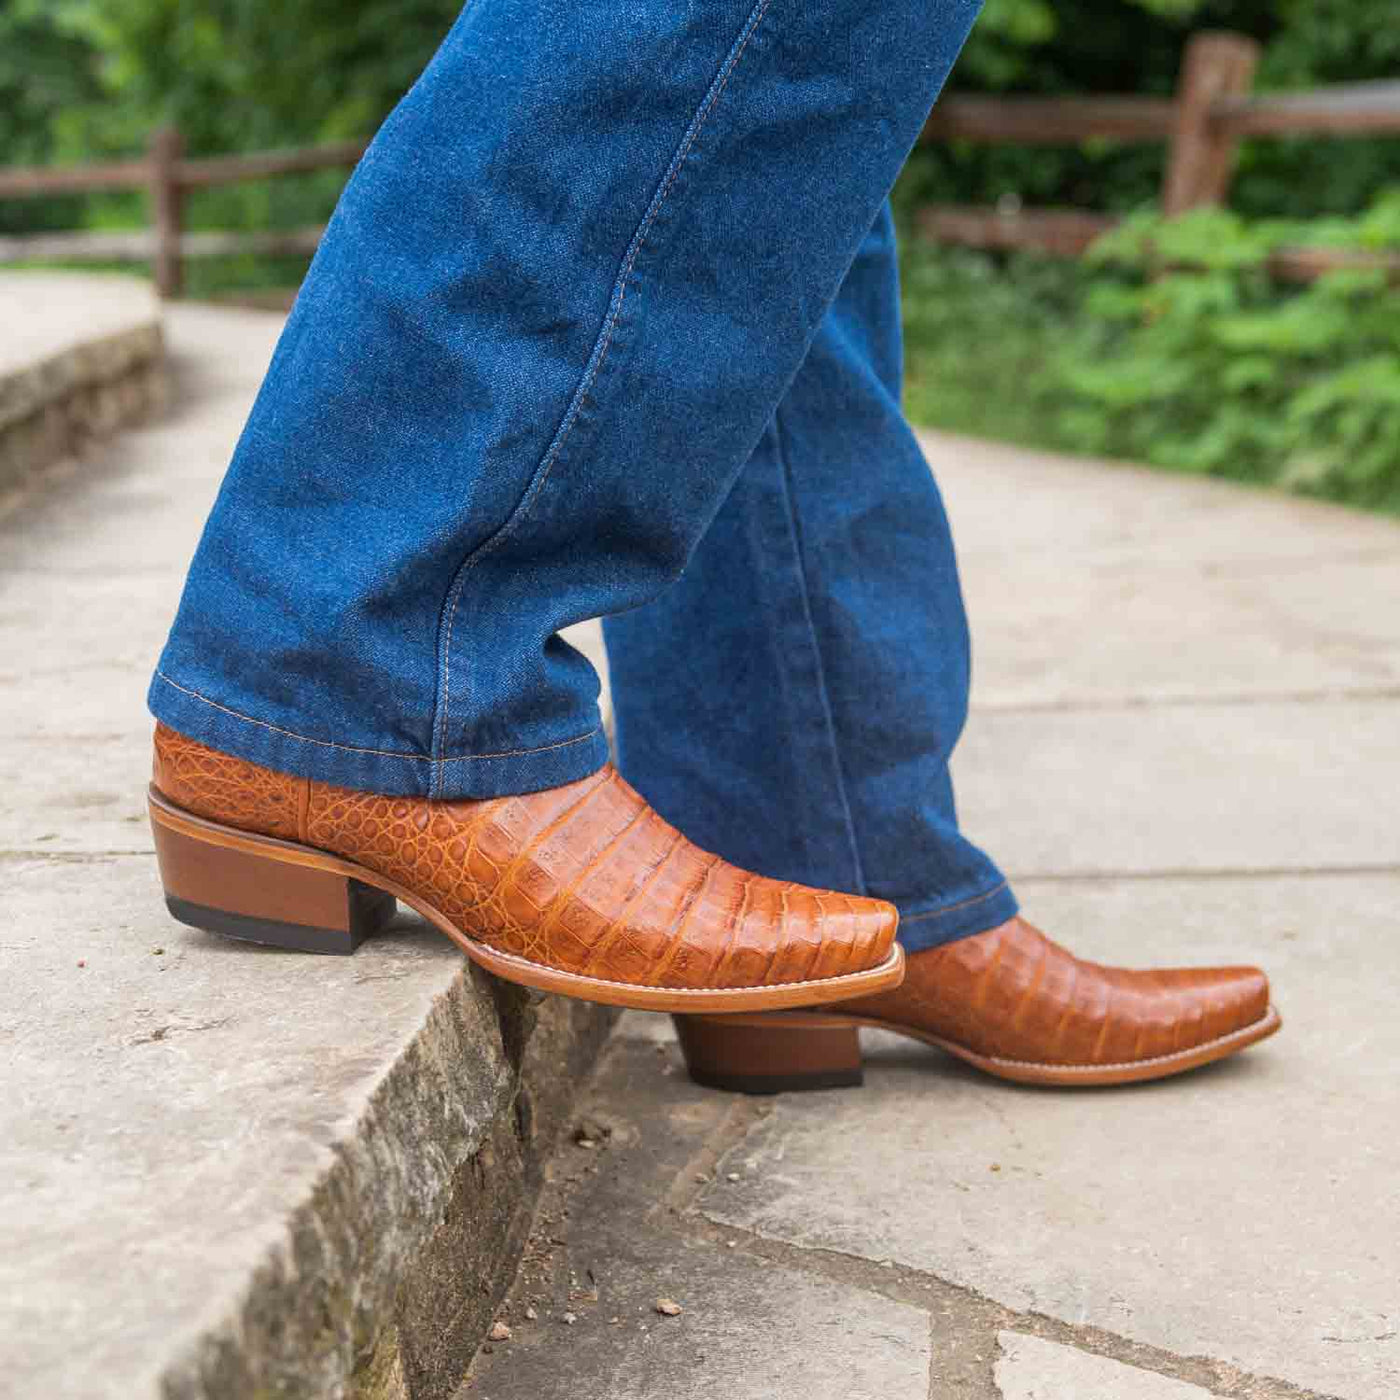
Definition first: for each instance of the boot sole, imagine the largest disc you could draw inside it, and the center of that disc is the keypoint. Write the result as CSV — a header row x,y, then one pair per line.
x,y
285,895
816,1050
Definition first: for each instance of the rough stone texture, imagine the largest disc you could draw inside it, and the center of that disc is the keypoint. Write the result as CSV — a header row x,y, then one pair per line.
x,y
608,1247
1184,746
82,356
291,1154
618,1228
1031,1368
224,1171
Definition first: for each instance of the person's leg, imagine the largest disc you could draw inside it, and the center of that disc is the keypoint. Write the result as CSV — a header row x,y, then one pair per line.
x,y
794,699
552,316
813,664
556,307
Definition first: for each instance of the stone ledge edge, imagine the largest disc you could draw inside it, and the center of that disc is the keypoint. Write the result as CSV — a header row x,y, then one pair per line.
x,y
56,406
387,1276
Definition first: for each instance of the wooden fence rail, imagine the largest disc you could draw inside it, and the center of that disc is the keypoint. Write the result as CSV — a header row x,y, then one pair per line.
x,y
1213,110
1202,126
165,174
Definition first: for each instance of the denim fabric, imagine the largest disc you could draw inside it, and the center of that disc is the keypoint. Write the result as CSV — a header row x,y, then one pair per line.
x,y
793,701
554,312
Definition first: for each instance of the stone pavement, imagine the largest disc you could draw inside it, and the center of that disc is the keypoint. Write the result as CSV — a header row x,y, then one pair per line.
x,y
231,1173
1185,747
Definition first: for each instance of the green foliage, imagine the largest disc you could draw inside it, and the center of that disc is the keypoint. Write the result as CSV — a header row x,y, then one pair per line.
x,y
44,75
239,74
84,79
1312,42
980,335
1173,345
1199,360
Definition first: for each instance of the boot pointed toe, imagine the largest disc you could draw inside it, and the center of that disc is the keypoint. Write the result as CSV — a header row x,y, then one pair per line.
x,y
1238,998
1014,1004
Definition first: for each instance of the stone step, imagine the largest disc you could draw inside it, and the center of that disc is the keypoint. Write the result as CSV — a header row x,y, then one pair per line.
x,y
225,1171
81,356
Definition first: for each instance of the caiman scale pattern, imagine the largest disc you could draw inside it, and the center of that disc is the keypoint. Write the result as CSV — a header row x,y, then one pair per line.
x,y
585,878
211,784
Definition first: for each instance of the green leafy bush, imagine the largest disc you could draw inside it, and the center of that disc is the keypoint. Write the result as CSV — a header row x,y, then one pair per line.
x,y
88,80
982,334
1173,344
1195,357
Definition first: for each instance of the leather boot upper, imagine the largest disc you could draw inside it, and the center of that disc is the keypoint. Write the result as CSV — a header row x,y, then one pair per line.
x,y
584,877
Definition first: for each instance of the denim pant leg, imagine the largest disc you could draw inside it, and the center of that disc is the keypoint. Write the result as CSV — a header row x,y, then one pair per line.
x,y
793,701
555,309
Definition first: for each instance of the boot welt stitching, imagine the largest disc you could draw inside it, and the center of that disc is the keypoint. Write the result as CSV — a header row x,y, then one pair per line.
x,y
1088,1069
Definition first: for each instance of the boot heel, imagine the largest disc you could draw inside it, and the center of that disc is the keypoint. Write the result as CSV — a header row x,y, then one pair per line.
x,y
771,1054
243,893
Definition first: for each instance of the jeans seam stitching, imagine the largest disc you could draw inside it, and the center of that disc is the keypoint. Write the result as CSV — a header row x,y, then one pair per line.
x,y
377,753
953,908
591,368
823,695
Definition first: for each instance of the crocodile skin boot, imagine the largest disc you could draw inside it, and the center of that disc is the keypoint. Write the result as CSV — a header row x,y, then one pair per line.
x,y
1009,1001
581,889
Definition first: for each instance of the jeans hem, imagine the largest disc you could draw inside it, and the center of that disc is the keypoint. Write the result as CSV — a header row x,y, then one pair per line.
x,y
384,771
922,926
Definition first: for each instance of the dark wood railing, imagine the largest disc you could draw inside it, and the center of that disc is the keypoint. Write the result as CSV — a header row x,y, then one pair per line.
x,y
1202,126
167,175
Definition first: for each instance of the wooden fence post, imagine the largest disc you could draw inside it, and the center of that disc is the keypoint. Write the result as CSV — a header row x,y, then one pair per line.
x,y
167,200
1201,156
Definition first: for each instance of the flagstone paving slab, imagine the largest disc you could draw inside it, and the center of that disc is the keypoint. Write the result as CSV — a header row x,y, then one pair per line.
x,y
1094,582
1270,786
1031,1368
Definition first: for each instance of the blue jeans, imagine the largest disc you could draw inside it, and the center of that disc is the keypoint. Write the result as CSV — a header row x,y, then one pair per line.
x,y
606,260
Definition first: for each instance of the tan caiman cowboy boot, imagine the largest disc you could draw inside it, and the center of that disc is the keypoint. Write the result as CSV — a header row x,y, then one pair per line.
x,y
581,889
1009,1001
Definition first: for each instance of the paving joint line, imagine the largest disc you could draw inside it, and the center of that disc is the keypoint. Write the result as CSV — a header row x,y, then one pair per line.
x,y
964,1324
965,1308
744,1114
1186,873
1224,700
18,853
